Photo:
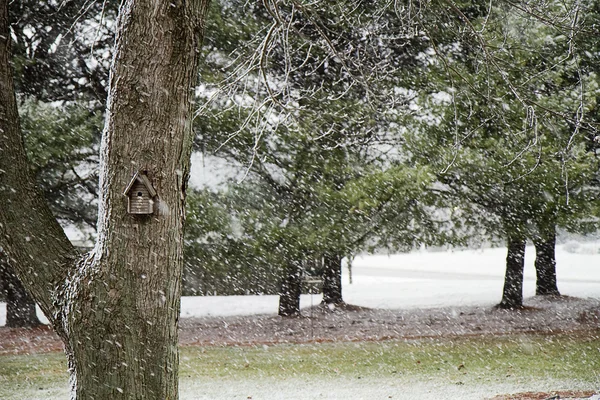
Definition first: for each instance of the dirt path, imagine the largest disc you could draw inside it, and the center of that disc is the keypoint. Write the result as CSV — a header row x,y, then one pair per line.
x,y
556,315
551,316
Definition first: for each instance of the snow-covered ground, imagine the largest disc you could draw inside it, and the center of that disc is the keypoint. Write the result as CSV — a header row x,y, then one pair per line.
x,y
419,279
424,279
352,389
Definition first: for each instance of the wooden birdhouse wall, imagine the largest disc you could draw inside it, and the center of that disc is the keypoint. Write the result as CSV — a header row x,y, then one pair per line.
x,y
139,200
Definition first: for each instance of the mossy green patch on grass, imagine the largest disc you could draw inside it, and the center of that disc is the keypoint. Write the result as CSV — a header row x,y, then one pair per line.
x,y
522,360
486,359
37,375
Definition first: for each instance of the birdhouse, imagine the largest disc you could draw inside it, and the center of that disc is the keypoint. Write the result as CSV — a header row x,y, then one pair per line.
x,y
140,195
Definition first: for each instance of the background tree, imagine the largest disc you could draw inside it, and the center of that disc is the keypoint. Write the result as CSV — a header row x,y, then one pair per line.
x,y
325,110
505,143
62,50
20,307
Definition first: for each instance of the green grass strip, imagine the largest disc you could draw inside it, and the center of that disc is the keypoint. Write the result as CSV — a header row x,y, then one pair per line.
x,y
468,361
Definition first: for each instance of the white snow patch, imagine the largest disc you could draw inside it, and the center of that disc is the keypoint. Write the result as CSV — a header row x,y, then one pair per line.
x,y
336,388
211,172
420,279
163,208
344,388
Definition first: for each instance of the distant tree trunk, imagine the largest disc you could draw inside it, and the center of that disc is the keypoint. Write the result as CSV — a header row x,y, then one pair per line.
x,y
332,279
545,264
20,307
350,261
512,296
291,288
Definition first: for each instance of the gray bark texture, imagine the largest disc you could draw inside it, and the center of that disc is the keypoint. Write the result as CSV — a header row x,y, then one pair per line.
x,y
512,296
20,307
332,279
117,308
545,264
291,289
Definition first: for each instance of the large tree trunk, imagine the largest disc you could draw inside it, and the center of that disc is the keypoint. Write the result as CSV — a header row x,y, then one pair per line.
x,y
512,296
20,307
291,288
117,308
332,279
545,264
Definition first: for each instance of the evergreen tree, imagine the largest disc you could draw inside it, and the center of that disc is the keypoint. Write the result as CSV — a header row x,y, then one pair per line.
x,y
323,127
503,135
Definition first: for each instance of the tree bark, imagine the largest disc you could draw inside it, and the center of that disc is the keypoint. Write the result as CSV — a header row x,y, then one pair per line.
x,y
512,296
291,288
117,308
350,261
332,279
20,307
545,264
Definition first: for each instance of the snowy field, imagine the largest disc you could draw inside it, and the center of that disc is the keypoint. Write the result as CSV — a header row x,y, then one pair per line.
x,y
363,389
419,279
423,279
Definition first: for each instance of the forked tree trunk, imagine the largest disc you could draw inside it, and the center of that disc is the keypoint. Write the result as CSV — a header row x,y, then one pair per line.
x,y
512,296
20,307
291,289
332,279
117,308
545,264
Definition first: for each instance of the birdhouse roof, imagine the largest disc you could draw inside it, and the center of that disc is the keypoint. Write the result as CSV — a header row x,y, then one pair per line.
x,y
143,179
